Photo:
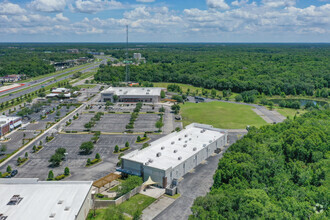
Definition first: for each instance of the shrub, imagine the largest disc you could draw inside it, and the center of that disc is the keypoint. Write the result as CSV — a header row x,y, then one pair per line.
x,y
8,169
60,177
116,149
138,139
66,171
88,162
130,183
97,156
123,149
126,144
50,175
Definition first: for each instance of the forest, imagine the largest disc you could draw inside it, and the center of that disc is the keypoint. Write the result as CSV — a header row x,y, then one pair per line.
x,y
33,59
272,69
276,172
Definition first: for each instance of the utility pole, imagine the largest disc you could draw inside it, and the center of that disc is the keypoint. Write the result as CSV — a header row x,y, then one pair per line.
x,y
126,61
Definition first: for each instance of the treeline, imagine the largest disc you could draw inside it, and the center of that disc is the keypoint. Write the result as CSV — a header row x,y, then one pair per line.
x,y
32,61
269,69
275,172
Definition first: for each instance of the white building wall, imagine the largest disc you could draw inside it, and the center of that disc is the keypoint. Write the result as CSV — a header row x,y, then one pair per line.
x,y
132,165
86,206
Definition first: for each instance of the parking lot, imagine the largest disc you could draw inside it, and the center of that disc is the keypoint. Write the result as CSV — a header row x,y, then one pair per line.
x,y
38,166
146,122
78,124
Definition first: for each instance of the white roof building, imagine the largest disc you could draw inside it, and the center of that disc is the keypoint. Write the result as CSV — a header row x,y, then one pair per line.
x,y
174,155
132,94
28,198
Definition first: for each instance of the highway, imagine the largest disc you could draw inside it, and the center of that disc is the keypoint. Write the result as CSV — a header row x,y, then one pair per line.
x,y
35,88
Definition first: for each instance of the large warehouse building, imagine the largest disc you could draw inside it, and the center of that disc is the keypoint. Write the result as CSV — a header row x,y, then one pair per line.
x,y
170,157
132,94
28,198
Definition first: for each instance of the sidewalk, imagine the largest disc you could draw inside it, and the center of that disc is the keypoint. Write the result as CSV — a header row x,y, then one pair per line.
x,y
156,208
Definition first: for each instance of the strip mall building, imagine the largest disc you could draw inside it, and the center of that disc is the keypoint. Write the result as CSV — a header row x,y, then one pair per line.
x,y
7,124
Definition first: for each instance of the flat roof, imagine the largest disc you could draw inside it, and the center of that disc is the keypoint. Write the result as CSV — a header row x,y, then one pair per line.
x,y
5,119
183,145
40,199
153,91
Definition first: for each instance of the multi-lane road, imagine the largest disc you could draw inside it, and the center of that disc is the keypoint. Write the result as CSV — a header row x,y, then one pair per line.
x,y
38,84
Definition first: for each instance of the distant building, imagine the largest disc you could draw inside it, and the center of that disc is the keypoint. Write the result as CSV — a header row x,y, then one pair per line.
x,y
137,56
132,94
7,124
169,158
12,78
96,53
29,198
72,51
60,93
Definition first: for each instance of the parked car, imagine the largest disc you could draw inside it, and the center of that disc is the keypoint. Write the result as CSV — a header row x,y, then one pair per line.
x,y
13,173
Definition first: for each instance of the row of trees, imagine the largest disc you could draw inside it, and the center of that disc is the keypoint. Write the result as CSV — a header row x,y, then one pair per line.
x,y
268,69
275,172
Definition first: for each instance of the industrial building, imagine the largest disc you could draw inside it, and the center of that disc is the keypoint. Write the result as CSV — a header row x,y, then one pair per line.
x,y
28,198
7,124
169,158
132,94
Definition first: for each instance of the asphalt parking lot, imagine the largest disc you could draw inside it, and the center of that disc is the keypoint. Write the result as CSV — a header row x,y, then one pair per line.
x,y
38,166
146,122
112,123
78,124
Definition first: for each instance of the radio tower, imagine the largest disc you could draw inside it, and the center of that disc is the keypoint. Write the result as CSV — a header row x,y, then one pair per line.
x,y
126,61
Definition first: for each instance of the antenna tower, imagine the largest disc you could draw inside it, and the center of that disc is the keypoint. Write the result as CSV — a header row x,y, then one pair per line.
x,y
126,61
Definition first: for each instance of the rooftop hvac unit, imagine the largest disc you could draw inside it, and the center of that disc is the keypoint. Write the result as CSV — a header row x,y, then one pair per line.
x,y
52,215
190,139
162,148
210,141
186,141
194,149
204,145
158,154
120,90
175,151
179,139
179,158
184,145
148,90
60,202
151,160
172,142
67,208
186,135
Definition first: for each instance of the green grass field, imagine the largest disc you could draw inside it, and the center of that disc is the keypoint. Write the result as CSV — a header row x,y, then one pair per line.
x,y
130,206
220,115
290,112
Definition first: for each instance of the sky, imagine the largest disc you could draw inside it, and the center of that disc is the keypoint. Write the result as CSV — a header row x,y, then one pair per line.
x,y
165,20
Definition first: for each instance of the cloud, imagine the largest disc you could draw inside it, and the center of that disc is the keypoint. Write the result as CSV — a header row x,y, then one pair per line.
x,y
7,8
59,17
94,6
239,3
48,5
145,1
278,3
218,4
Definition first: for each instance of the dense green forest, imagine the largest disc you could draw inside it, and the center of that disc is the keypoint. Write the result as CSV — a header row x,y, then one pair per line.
x,y
275,172
33,59
272,69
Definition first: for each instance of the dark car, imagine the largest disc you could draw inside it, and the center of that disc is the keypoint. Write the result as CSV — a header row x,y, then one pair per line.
x,y
13,173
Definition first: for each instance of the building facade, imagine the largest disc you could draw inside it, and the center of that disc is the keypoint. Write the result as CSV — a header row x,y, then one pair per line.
x,y
7,124
131,94
169,158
